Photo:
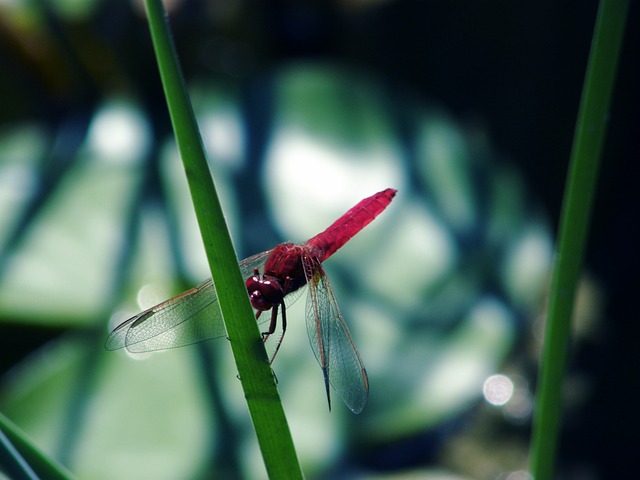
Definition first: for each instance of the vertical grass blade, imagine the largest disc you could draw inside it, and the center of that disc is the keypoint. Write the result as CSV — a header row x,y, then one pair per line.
x,y
254,371
573,229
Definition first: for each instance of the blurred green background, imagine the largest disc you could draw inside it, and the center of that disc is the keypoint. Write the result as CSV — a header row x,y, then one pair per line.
x,y
466,108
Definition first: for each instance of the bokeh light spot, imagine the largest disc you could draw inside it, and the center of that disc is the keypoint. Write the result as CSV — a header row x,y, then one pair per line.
x,y
119,133
497,389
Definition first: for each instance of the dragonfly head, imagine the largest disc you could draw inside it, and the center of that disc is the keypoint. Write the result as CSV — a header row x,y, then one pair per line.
x,y
264,292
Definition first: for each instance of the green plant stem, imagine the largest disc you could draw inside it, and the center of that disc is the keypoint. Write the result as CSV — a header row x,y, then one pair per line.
x,y
19,458
573,229
251,360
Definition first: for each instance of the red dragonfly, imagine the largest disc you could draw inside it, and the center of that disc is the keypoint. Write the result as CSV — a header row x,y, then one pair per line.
x,y
194,316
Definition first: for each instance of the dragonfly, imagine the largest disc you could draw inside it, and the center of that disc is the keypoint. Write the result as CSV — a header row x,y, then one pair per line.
x,y
274,279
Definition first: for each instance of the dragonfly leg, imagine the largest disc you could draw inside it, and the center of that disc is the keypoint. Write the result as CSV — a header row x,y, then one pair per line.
x,y
284,329
272,324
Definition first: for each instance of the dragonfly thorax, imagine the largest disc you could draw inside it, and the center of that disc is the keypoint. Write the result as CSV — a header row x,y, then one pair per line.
x,y
264,292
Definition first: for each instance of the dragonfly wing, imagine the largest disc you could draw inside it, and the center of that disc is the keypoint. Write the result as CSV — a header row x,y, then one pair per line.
x,y
331,341
249,264
191,317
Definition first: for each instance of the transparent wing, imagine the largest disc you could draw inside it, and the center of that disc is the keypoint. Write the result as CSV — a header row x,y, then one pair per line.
x,y
331,341
249,264
191,317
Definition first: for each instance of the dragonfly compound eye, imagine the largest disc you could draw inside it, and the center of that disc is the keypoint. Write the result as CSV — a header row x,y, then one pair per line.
x,y
264,293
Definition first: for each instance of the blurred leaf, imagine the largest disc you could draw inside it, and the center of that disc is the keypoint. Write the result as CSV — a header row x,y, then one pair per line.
x,y
20,458
434,291
152,408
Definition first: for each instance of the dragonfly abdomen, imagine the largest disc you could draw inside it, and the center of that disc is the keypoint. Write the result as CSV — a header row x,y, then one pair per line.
x,y
349,224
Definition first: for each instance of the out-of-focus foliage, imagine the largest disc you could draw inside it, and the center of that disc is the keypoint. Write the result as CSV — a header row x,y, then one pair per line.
x,y
95,224
431,320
